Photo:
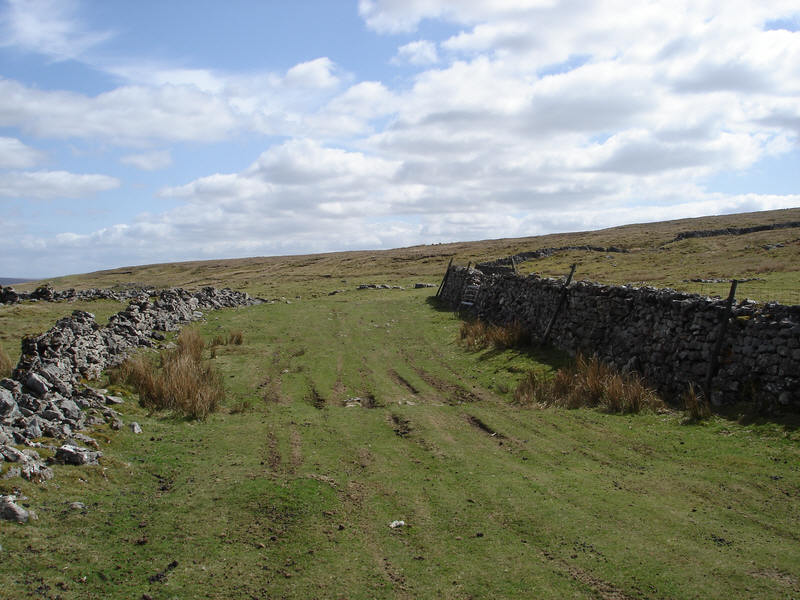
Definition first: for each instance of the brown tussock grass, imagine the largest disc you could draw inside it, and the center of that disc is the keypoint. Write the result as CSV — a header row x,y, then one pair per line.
x,y
235,337
587,383
182,382
5,364
695,405
191,344
477,335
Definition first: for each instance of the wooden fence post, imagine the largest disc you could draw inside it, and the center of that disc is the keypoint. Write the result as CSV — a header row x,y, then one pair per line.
x,y
713,363
561,300
513,265
444,279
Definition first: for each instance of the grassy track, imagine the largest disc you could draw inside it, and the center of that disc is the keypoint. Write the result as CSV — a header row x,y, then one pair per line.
x,y
289,492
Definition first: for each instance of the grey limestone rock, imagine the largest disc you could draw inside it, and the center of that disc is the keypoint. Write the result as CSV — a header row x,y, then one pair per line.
x,y
9,411
37,385
75,455
11,511
70,410
15,387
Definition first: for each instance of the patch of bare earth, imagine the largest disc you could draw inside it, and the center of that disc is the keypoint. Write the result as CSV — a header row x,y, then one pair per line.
x,y
402,382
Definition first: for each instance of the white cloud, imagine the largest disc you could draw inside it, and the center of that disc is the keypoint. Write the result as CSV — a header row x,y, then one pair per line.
x,y
49,27
154,74
421,53
44,185
303,162
16,155
128,114
363,101
149,161
165,103
317,73
396,16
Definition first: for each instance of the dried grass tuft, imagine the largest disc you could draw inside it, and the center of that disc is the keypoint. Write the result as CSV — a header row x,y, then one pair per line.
x,y
191,344
183,383
5,364
477,335
587,383
695,405
235,337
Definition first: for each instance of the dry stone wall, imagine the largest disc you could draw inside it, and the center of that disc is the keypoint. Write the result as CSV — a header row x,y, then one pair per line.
x,y
46,293
666,336
44,396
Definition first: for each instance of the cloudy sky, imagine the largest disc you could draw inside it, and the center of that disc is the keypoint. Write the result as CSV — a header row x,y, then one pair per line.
x,y
151,131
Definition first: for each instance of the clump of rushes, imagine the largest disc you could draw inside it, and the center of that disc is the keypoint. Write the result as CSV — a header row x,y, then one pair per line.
x,y
5,364
587,383
191,344
235,337
695,405
477,335
182,382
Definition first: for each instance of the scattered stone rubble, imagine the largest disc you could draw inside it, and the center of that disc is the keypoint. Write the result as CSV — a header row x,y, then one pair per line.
x,y
44,396
383,286
721,280
379,286
665,335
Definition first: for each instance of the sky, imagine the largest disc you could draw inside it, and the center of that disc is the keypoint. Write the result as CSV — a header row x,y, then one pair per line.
x,y
145,132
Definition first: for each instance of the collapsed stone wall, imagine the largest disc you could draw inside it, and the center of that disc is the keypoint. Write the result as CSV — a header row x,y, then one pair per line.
x,y
44,396
46,293
666,336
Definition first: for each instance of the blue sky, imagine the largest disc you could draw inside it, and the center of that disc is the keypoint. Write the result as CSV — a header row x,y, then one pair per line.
x,y
133,133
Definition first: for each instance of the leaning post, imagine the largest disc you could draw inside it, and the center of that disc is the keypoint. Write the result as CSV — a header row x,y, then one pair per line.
x,y
713,363
561,299
444,279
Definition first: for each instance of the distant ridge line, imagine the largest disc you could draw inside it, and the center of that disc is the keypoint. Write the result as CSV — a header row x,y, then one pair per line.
x,y
12,280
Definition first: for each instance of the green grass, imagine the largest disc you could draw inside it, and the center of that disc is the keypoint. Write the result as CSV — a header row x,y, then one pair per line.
x,y
292,497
